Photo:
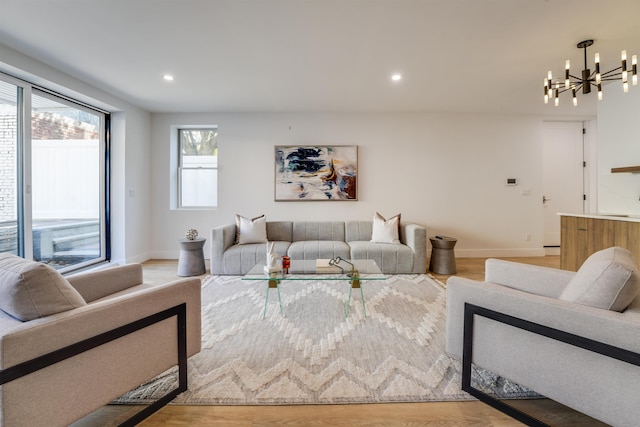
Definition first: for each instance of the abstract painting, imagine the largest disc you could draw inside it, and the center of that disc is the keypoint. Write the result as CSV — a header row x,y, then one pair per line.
x,y
316,172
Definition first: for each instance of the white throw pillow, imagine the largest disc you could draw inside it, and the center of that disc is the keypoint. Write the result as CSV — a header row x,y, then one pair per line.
x,y
608,279
251,230
386,230
29,289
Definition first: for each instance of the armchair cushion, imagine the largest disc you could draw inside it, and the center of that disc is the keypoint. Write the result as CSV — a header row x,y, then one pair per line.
x,y
608,279
29,289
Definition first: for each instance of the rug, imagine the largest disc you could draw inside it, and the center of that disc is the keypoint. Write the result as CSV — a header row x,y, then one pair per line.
x,y
314,353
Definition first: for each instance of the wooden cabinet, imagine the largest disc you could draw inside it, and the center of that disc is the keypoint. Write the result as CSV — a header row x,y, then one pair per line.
x,y
581,236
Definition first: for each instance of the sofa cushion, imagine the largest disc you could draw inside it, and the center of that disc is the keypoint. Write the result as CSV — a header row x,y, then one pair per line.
x,y
392,259
386,230
608,279
358,231
29,289
279,231
251,230
239,259
318,249
318,230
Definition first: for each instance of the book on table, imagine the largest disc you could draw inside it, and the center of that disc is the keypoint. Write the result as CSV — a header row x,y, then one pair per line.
x,y
323,266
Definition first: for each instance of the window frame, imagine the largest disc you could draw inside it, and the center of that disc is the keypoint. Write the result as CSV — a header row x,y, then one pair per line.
x,y
180,166
24,169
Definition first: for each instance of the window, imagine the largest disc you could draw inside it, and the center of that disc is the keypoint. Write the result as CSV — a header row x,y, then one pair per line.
x,y
198,167
53,178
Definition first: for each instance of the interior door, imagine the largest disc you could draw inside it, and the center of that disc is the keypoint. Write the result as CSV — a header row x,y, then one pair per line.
x,y
563,175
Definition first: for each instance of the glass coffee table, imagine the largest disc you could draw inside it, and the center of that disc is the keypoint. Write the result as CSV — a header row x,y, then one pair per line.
x,y
353,272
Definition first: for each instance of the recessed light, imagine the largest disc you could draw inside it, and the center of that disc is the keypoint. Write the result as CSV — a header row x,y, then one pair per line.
x,y
396,77
168,77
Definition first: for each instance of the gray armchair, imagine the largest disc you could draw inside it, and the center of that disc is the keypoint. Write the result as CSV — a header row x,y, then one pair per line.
x,y
572,337
71,346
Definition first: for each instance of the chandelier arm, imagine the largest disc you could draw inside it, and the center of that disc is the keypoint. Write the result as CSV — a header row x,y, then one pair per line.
x,y
563,90
610,72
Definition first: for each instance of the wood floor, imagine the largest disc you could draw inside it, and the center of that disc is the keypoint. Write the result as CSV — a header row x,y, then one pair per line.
x,y
471,413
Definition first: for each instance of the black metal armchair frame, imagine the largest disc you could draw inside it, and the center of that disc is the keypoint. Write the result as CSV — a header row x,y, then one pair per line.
x,y
179,311
471,310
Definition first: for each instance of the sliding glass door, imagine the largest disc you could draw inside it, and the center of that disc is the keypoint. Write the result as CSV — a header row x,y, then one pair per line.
x,y
67,195
54,187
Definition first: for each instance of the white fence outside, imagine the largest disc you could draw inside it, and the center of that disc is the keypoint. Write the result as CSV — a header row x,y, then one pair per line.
x,y
65,179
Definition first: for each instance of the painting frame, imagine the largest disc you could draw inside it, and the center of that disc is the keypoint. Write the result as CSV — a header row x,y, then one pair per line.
x,y
315,173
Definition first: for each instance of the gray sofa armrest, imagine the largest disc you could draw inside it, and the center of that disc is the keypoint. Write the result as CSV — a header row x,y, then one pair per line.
x,y
101,283
589,322
222,237
549,282
415,236
43,335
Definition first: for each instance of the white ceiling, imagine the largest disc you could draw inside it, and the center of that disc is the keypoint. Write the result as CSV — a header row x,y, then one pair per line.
x,y
324,55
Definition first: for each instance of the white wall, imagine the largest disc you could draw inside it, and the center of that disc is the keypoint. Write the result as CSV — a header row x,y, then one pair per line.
x,y
444,171
619,146
131,187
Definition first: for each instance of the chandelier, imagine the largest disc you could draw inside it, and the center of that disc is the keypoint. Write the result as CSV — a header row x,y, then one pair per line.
x,y
554,86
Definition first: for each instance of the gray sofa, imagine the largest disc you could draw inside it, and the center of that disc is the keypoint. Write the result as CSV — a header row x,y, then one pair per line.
x,y
595,384
307,240
66,391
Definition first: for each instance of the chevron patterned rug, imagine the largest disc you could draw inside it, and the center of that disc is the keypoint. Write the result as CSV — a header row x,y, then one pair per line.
x,y
314,353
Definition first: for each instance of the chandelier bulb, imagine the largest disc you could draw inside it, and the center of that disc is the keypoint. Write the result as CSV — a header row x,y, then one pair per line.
x,y
599,93
624,55
625,87
556,102
597,58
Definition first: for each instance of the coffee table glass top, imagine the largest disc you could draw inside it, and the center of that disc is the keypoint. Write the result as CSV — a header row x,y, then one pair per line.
x,y
304,270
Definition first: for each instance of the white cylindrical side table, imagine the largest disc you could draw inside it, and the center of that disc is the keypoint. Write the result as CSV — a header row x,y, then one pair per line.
x,y
191,261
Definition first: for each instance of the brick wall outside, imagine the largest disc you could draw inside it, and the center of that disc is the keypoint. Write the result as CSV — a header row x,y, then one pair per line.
x,y
53,126
7,167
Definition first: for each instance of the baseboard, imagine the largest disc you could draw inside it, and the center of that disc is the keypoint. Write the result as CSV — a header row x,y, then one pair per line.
x,y
165,254
499,253
555,250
